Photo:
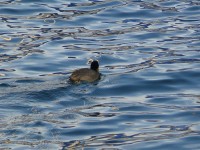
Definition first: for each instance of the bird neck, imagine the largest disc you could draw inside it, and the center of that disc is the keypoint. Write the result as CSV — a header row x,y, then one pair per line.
x,y
95,69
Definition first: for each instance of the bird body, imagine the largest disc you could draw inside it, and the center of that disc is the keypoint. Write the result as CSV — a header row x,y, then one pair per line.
x,y
86,74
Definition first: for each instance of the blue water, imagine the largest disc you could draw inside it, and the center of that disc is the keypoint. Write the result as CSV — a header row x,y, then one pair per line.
x,y
147,98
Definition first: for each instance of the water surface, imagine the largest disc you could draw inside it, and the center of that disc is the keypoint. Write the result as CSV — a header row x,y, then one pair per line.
x,y
148,95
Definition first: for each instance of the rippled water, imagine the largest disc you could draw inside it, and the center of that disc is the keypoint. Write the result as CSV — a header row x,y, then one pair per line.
x,y
148,96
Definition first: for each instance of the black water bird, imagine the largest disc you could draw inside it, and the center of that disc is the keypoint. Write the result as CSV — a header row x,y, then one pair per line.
x,y
86,74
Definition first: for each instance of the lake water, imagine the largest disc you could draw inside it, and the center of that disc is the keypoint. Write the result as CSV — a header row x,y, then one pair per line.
x,y
147,98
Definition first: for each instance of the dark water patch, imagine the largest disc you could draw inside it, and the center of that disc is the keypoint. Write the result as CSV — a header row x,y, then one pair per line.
x,y
132,87
4,85
20,10
84,131
7,70
28,81
46,95
194,8
134,107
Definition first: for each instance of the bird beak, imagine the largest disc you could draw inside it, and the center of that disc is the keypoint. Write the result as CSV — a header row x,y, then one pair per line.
x,y
89,61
